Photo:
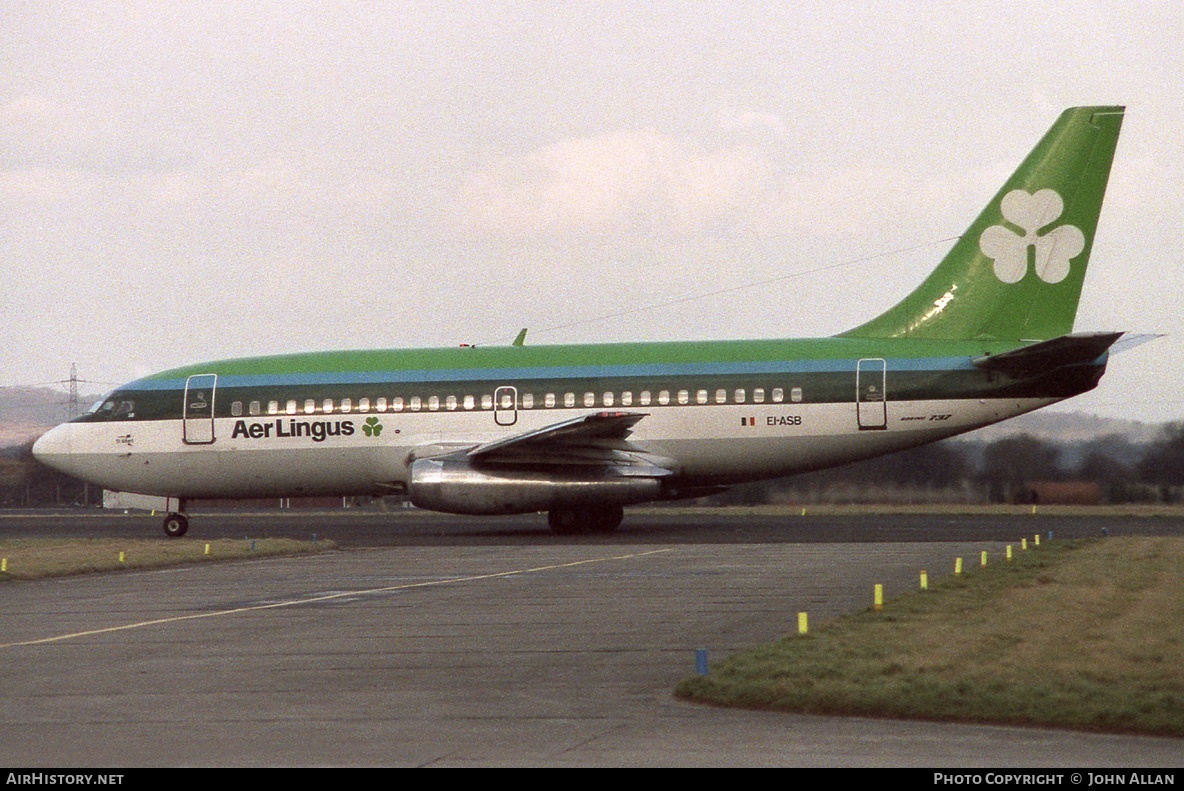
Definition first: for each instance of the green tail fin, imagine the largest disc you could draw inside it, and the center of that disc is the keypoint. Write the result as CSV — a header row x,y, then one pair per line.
x,y
1017,272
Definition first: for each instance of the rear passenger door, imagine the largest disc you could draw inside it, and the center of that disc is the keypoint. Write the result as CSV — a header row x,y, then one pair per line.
x,y
871,398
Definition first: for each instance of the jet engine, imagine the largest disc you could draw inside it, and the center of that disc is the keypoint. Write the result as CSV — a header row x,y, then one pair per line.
x,y
462,487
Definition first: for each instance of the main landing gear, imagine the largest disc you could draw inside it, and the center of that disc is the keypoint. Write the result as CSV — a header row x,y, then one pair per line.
x,y
578,521
176,525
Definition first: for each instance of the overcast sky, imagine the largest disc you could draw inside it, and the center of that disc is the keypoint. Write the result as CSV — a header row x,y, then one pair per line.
x,y
184,182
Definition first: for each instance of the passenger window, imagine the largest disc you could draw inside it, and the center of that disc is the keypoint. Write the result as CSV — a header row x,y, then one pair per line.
x,y
607,399
450,403
701,397
721,396
415,403
487,401
528,400
236,409
778,395
310,406
364,405
684,397
549,401
380,405
627,398
397,403
470,402
506,401
738,396
569,399
254,408
433,403
273,407
663,397
758,395
589,399
327,406
644,399
290,407
346,405
795,394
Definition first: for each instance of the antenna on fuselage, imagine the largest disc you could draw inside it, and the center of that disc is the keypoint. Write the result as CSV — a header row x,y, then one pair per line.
x,y
521,339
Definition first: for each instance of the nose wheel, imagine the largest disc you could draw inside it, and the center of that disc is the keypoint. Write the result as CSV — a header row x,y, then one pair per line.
x,y
176,525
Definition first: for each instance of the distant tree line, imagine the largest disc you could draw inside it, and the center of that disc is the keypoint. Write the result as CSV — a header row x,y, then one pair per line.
x,y
1109,469
26,483
1013,469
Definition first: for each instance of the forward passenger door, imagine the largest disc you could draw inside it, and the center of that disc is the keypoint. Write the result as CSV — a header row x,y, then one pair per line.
x,y
198,420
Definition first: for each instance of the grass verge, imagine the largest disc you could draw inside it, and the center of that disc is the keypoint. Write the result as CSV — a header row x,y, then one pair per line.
x,y
35,558
1085,635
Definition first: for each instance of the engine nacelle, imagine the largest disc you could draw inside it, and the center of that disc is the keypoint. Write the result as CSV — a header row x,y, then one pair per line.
x,y
460,488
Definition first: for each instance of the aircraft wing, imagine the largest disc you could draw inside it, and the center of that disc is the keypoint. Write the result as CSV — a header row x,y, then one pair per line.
x,y
585,463
581,431
596,440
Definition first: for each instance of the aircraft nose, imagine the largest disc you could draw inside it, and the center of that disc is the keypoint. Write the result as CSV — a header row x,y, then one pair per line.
x,y
54,447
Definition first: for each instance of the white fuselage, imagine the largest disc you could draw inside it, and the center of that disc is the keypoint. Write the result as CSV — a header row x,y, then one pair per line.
x,y
274,455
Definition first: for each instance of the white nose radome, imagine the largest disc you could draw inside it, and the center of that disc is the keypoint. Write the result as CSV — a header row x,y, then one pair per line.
x,y
54,448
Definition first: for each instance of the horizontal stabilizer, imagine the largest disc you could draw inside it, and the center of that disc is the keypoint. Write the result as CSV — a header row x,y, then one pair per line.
x,y
1131,340
1048,355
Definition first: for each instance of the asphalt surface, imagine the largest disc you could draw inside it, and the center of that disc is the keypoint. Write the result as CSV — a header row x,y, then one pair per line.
x,y
373,528
439,641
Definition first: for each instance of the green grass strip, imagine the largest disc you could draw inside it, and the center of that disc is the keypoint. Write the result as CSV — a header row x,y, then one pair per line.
x,y
35,558
1085,635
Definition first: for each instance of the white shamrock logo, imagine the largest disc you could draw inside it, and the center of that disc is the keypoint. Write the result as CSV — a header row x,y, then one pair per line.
x,y
1053,250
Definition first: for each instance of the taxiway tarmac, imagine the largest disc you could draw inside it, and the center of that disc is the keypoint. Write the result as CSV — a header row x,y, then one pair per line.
x,y
486,653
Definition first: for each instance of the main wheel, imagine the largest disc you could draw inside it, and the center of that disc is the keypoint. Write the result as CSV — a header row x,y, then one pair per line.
x,y
566,521
176,525
577,521
606,519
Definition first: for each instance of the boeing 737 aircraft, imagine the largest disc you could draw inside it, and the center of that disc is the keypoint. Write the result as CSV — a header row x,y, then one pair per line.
x,y
580,431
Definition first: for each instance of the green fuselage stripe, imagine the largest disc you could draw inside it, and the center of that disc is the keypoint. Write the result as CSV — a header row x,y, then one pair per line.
x,y
812,388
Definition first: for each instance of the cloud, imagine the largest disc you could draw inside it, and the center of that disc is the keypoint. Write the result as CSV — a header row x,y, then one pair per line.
x,y
737,178
37,133
751,122
617,182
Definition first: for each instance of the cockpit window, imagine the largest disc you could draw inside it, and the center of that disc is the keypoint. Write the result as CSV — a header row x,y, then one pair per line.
x,y
114,407
96,406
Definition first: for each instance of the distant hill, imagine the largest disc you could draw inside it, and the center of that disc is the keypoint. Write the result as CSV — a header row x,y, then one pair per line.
x,y
28,412
1067,428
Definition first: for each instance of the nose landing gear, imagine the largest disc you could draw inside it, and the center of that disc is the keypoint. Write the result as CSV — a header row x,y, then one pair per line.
x,y
176,525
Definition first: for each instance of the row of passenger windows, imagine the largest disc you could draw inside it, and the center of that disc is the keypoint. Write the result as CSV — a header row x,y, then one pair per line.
x,y
327,406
